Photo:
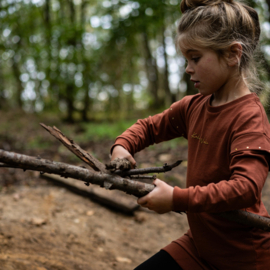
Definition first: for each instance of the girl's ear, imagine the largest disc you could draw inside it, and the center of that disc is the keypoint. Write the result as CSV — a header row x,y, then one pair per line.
x,y
234,54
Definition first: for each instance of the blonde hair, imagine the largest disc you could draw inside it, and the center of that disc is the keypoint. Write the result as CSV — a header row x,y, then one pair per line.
x,y
216,24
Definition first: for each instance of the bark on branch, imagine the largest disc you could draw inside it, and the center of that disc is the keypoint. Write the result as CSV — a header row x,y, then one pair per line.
x,y
109,181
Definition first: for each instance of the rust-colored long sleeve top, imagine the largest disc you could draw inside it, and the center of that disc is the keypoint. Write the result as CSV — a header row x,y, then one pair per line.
x,y
228,155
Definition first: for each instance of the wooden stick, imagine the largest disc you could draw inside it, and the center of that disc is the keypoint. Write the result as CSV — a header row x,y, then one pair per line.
x,y
247,219
76,149
108,181
162,169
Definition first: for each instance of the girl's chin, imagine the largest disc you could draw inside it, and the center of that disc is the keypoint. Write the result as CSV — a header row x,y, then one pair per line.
x,y
204,93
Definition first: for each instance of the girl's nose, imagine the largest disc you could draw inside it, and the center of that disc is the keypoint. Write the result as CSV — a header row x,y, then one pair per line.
x,y
189,69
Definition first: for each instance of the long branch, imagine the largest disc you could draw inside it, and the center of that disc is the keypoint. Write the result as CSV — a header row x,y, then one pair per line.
x,y
110,181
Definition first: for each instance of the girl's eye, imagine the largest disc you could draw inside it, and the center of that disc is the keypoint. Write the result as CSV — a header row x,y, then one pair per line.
x,y
195,59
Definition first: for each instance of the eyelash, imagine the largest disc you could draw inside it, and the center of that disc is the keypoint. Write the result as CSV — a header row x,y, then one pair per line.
x,y
195,59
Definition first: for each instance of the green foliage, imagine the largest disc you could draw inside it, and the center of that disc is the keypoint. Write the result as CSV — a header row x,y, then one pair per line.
x,y
104,130
83,58
38,143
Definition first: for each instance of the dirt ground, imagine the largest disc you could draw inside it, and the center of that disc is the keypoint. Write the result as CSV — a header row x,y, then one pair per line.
x,y
43,226
47,227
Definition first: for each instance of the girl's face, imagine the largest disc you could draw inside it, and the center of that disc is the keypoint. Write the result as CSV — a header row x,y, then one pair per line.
x,y
209,72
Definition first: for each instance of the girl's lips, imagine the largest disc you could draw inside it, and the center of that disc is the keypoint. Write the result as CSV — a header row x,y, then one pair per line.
x,y
196,84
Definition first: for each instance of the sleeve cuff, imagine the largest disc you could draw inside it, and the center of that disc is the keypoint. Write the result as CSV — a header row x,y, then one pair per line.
x,y
180,199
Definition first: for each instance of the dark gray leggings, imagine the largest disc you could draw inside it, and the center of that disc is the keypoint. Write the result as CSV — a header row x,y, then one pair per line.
x,y
160,261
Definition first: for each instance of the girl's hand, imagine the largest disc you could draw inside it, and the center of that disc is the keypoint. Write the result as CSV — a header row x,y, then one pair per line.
x,y
120,152
160,199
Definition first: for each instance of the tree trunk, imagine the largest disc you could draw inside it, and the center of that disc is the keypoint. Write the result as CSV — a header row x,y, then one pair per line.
x,y
86,71
130,96
47,22
168,95
72,10
70,102
2,88
17,73
152,72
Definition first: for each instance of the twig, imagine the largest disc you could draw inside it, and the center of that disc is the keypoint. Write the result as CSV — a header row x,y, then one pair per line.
x,y
76,149
143,177
165,168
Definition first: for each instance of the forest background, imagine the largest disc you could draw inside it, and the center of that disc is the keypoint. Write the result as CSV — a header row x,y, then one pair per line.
x,y
98,60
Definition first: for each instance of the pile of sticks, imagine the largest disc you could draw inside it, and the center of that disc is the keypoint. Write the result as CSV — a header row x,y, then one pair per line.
x,y
98,174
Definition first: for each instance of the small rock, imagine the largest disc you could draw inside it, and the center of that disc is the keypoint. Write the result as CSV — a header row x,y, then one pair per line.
x,y
165,157
139,217
38,221
76,220
100,249
90,213
123,260
16,196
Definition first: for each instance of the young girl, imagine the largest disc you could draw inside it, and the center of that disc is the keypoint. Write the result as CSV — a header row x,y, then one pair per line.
x,y
228,143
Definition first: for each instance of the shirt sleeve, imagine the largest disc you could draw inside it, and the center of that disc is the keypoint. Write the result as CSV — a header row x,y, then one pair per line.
x,y
161,127
249,171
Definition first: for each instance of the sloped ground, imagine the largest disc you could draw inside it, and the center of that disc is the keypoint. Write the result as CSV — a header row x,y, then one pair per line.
x,y
43,226
47,227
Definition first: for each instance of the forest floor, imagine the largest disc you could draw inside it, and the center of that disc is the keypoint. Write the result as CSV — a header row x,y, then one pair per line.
x,y
44,226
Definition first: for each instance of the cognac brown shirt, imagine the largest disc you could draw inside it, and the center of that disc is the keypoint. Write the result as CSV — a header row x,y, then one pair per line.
x,y
228,154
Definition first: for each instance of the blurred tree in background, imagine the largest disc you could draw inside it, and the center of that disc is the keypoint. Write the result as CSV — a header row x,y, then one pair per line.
x,y
97,59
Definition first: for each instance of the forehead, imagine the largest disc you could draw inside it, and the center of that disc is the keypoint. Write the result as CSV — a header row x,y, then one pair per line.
x,y
186,44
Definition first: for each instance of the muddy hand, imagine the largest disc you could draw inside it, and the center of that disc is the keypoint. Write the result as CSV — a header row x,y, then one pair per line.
x,y
122,164
121,159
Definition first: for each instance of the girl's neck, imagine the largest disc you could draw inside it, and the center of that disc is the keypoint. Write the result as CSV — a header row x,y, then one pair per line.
x,y
231,91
